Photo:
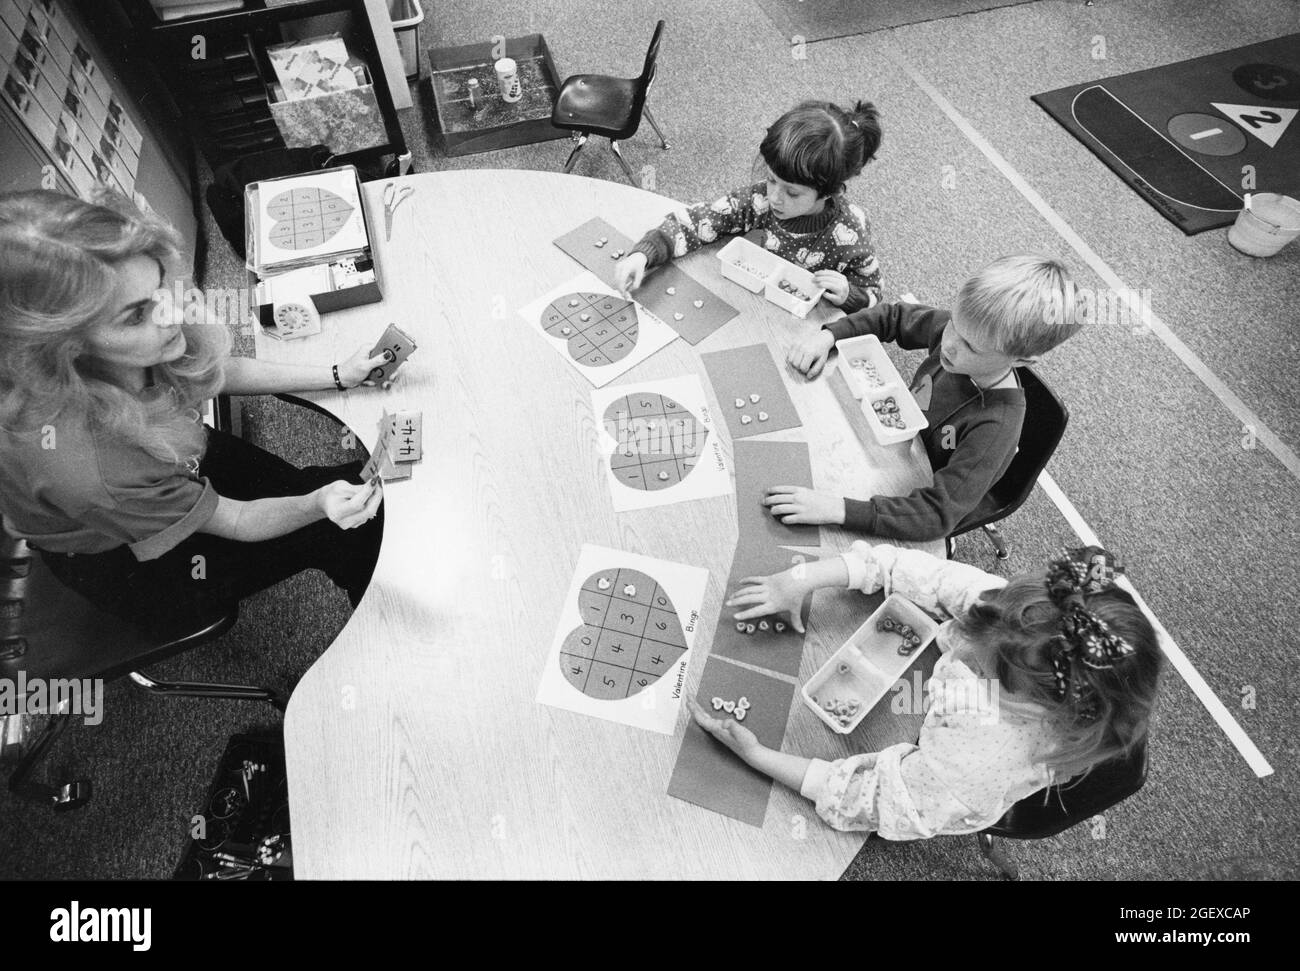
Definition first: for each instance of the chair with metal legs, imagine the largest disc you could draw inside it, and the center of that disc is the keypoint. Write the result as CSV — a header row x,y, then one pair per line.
x,y
595,104
1045,419
51,635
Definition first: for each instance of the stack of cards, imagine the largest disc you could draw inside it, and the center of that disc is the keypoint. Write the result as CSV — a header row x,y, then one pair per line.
x,y
399,447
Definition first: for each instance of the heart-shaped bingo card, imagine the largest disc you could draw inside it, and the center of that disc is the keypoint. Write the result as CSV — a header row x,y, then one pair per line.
x,y
659,443
596,331
308,216
625,633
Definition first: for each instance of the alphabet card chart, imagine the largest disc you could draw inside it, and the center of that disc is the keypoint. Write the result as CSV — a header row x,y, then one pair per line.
x,y
624,638
661,443
596,330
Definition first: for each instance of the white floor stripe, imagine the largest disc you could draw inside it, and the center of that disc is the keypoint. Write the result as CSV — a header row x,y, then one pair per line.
x,y
1218,711
1263,434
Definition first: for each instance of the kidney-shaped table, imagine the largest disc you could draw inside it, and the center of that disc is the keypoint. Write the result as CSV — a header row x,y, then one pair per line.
x,y
415,747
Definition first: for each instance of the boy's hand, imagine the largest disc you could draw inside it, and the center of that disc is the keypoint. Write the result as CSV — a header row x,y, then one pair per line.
x,y
795,505
728,731
809,355
629,272
835,284
764,596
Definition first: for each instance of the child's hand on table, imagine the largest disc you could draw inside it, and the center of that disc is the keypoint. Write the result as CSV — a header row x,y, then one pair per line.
x,y
809,355
728,731
780,593
835,284
795,505
355,371
629,272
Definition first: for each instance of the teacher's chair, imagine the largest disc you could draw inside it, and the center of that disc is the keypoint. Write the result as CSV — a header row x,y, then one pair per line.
x,y
49,632
594,104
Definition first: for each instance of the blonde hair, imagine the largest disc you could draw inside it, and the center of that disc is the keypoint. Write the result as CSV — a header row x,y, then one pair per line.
x,y
59,259
1022,306
1018,624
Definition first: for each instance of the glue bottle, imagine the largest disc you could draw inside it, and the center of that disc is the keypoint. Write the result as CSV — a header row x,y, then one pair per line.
x,y
475,95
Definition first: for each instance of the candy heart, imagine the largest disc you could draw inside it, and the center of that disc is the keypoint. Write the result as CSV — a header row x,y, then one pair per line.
x,y
627,642
728,706
698,303
671,291
740,402
745,419
717,704
663,438
678,316
597,328
306,218
755,398
740,714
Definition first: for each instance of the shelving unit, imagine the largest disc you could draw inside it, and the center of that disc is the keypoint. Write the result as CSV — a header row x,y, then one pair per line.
x,y
224,95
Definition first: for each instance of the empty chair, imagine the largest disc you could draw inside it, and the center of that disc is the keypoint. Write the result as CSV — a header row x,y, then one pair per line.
x,y
595,104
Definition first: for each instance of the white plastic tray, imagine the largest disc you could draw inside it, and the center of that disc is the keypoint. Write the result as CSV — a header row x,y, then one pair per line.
x,y
873,663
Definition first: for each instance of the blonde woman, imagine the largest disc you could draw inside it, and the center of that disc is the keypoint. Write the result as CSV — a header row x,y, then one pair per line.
x,y
105,466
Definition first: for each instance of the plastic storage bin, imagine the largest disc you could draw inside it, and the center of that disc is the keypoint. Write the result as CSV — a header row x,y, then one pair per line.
x,y
868,664
407,15
879,370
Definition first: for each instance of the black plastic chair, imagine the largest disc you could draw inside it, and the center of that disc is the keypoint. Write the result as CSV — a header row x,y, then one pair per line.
x,y
48,631
1045,419
1055,809
595,104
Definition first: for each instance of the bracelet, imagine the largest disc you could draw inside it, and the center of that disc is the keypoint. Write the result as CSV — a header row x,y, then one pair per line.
x,y
337,383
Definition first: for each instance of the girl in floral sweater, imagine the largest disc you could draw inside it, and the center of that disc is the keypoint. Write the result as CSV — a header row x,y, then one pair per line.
x,y
1068,660
799,206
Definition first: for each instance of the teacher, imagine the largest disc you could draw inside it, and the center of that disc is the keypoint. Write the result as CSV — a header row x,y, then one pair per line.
x,y
105,466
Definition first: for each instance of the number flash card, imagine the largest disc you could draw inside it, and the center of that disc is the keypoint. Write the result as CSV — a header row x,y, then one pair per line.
x,y
399,345
406,443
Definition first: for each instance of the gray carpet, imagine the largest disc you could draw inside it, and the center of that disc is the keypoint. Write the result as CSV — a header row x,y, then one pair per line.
x,y
1151,460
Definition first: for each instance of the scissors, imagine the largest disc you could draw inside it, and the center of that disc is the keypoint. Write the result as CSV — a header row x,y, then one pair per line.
x,y
393,197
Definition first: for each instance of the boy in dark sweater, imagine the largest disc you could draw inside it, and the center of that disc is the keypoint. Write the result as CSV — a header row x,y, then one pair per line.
x,y
1007,315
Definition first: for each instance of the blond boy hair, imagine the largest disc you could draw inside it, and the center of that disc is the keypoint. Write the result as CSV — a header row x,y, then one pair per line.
x,y
1021,305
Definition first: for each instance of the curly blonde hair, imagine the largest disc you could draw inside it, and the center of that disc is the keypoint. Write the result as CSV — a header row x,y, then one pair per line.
x,y
59,258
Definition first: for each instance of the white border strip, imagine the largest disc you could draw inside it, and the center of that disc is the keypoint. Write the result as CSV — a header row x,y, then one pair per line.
x,y
1193,363
1218,711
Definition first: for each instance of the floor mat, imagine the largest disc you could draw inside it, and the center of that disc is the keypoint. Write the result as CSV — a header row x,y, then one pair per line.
x,y
826,19
1192,138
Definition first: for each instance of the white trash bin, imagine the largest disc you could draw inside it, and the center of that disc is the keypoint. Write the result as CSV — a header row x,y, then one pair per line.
x,y
1269,224
407,16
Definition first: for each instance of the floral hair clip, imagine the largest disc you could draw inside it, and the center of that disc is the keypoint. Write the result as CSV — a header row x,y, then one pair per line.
x,y
1085,638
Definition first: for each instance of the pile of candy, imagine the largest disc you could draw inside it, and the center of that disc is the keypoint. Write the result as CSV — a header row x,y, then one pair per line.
x,y
793,290
776,625
911,639
843,711
738,708
888,413
868,372
751,270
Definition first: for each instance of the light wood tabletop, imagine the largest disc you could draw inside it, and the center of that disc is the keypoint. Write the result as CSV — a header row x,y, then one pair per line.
x,y
415,747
